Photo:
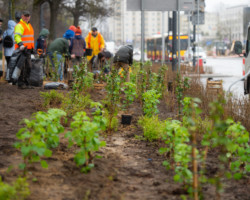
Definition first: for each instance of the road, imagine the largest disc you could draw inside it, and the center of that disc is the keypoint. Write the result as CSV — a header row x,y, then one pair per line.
x,y
229,70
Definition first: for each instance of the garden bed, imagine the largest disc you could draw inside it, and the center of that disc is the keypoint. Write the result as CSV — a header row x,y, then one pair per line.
x,y
130,168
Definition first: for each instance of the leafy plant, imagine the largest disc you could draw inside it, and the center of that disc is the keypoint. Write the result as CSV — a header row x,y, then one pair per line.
x,y
38,136
83,80
85,135
112,100
161,83
176,138
81,101
152,83
150,101
52,98
130,94
180,88
232,139
18,190
152,127
141,84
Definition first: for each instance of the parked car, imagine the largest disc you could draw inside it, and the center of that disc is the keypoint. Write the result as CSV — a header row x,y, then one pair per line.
x,y
199,51
137,55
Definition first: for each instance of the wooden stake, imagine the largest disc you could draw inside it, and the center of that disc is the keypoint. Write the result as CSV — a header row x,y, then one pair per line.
x,y
195,167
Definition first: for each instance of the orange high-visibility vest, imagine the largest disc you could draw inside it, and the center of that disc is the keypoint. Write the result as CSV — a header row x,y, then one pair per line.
x,y
99,40
27,37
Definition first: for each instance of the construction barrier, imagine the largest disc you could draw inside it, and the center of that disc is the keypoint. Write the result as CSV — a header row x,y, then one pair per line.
x,y
243,67
200,62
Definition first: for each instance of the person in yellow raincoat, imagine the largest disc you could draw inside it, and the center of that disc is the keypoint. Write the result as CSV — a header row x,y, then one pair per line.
x,y
94,40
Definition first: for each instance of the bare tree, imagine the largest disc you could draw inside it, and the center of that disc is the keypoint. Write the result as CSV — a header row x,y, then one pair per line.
x,y
91,9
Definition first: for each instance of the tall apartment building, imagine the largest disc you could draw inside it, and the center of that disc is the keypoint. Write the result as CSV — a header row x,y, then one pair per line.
x,y
125,26
233,23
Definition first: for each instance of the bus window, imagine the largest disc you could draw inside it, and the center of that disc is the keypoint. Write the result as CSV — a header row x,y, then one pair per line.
x,y
184,44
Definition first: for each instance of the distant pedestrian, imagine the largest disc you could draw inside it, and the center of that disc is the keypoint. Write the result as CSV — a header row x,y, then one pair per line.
x,y
8,40
77,47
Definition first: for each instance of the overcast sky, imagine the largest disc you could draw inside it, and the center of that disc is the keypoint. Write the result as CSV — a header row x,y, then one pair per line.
x,y
213,4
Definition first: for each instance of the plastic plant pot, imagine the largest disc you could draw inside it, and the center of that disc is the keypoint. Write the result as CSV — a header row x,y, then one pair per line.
x,y
126,119
88,52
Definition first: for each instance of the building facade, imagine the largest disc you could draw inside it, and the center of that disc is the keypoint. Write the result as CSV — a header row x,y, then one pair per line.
x,y
125,26
233,22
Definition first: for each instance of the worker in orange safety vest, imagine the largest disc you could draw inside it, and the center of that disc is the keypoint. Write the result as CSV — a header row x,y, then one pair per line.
x,y
24,40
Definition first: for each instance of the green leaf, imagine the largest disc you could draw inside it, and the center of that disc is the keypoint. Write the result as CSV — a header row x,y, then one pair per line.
x,y
247,167
22,166
177,178
25,150
44,164
237,176
163,150
228,175
47,153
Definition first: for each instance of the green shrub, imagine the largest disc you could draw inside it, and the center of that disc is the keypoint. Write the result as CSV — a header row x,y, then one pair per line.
x,y
38,136
85,134
73,105
52,99
150,102
153,128
18,190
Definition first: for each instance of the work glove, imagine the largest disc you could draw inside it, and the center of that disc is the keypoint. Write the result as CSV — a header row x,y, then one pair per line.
x,y
22,47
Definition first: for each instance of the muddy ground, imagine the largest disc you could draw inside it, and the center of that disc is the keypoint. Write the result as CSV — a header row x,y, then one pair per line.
x,y
129,168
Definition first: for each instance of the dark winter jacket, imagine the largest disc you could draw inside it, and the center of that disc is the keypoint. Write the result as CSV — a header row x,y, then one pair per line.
x,y
124,55
10,32
59,45
77,46
41,40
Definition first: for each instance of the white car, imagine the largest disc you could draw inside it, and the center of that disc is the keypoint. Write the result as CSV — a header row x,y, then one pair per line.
x,y
137,55
188,56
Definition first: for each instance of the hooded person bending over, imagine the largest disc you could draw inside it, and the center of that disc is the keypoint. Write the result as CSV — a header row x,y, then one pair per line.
x,y
60,46
123,59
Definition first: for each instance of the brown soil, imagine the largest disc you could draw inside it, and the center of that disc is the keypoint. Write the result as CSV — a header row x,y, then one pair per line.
x,y
129,168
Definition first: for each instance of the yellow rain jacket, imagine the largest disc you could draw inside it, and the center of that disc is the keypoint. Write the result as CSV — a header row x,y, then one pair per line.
x,y
96,43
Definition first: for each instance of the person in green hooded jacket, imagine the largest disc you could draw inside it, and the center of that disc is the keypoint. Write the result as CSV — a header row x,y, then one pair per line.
x,y
41,43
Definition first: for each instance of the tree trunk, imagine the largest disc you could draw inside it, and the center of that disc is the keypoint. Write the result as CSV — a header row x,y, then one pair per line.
x,y
35,19
76,19
54,7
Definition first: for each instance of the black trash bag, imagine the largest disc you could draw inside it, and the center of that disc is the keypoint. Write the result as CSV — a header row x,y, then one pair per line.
x,y
18,68
55,85
36,72
11,66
